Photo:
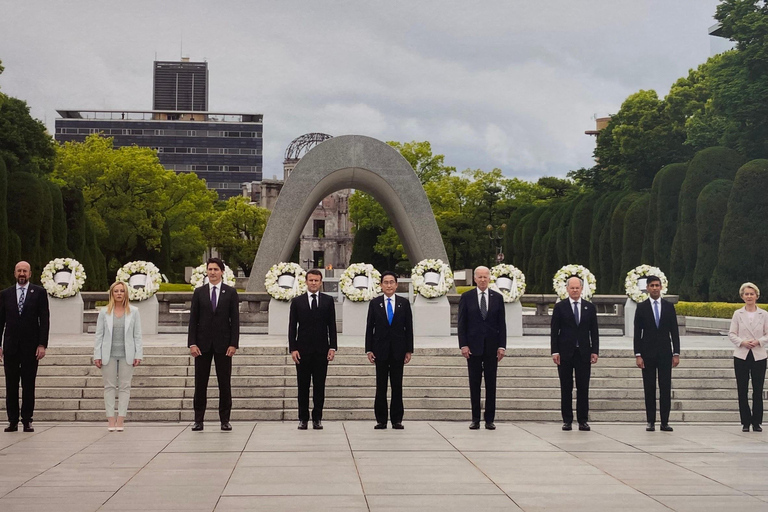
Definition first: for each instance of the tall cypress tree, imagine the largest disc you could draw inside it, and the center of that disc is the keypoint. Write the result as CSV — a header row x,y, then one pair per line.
x,y
711,208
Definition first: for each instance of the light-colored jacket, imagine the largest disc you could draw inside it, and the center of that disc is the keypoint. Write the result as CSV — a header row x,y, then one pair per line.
x,y
103,345
742,329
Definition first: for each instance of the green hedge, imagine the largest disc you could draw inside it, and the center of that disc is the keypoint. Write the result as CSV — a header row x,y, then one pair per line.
x,y
613,282
711,208
6,272
710,309
634,236
527,233
666,186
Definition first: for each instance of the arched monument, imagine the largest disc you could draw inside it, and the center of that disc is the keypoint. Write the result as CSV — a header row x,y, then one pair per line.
x,y
356,162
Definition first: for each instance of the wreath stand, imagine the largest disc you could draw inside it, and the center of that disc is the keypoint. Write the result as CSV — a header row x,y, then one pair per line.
x,y
66,314
354,315
149,310
513,313
629,318
279,315
431,317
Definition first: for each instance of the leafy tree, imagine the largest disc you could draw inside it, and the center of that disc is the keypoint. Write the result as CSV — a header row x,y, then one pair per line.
x,y
556,187
634,237
237,232
25,216
59,222
581,227
428,167
604,273
711,208
5,270
615,283
666,190
24,143
524,240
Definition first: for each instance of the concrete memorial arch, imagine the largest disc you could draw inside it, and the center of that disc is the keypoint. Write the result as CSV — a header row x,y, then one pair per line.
x,y
349,161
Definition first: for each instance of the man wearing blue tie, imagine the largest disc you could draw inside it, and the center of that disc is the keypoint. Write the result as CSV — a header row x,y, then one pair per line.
x,y
389,345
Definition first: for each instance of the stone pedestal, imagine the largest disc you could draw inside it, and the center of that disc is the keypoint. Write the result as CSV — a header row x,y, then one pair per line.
x,y
431,317
513,314
629,318
66,315
354,316
279,312
150,312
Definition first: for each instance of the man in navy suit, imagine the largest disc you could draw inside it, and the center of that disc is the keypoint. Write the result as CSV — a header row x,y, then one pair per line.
x,y
575,346
657,351
483,342
214,335
389,345
24,315
312,342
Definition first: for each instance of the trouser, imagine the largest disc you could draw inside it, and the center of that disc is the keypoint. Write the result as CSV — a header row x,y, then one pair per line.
x,y
117,375
663,367
566,370
312,368
746,368
391,370
223,376
20,368
477,366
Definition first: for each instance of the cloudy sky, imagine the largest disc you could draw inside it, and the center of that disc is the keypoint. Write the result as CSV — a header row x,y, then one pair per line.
x,y
499,83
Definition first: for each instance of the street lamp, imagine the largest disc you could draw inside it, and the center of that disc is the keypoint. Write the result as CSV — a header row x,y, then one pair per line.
x,y
496,235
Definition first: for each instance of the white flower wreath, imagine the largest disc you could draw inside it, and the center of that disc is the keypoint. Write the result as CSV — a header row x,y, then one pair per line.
x,y
428,290
512,273
297,287
561,279
632,283
140,289
71,277
200,276
373,286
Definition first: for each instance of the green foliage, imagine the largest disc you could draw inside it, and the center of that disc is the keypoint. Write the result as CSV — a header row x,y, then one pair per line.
x,y
536,267
96,270
711,208
24,143
428,167
556,187
74,213
741,257
581,230
5,270
59,222
513,225
14,253
46,224
25,217
604,272
362,248
614,282
711,309
635,233
666,190
600,212
524,237
237,232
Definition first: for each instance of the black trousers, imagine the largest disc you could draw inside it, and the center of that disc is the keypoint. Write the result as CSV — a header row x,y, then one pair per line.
x,y
744,370
661,366
20,368
391,370
566,370
223,376
477,366
312,368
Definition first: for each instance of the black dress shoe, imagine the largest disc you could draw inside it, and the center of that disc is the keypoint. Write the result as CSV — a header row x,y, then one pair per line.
x,y
197,427
28,427
757,428
11,428
475,425
302,425
490,426
745,428
666,428
226,427
650,427
380,426
398,426
317,425
584,426
567,426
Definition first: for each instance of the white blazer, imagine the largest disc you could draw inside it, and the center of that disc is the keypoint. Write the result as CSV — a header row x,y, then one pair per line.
x,y
743,329
103,345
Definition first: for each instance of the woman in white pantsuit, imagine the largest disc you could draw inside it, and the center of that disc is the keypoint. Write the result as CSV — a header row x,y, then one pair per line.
x,y
117,351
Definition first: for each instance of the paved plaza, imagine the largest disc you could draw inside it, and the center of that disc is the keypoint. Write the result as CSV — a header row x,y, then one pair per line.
x,y
348,466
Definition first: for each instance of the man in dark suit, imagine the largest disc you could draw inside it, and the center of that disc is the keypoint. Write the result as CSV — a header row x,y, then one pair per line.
x,y
483,342
24,315
214,334
312,342
575,344
657,351
389,345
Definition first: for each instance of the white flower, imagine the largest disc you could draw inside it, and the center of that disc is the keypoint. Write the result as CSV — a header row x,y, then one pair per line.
x,y
513,273
199,275
631,284
151,285
561,277
431,291
76,281
346,282
283,268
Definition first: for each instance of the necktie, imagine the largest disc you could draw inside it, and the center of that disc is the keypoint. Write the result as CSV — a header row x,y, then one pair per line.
x,y
390,313
576,312
213,298
314,302
483,305
21,301
656,312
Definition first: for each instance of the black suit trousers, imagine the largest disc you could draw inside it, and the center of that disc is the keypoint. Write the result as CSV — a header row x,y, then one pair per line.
x,y
477,366
391,370
312,368
22,368
661,366
746,368
583,371
224,377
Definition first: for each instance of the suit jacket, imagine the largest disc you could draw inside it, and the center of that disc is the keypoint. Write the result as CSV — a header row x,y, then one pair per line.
x,y
217,330
386,340
565,332
312,332
742,329
103,345
25,332
474,332
651,341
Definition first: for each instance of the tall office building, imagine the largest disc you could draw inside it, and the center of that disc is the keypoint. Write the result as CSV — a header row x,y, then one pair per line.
x,y
180,85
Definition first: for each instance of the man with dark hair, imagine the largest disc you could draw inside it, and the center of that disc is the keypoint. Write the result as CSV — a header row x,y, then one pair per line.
x,y
25,316
312,342
575,345
389,345
214,335
657,351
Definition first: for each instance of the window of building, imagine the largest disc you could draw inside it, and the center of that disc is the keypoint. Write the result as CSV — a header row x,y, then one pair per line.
x,y
318,228
319,257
